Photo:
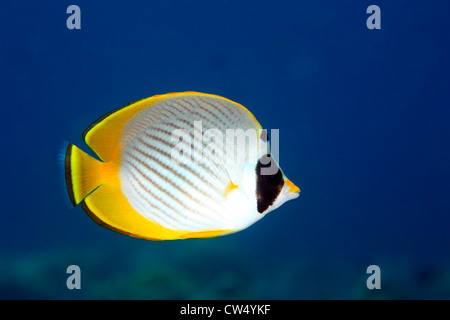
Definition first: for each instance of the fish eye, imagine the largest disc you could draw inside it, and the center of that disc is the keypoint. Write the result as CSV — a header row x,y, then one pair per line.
x,y
271,179
265,161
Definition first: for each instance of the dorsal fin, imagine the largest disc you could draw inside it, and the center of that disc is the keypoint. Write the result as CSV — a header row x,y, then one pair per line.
x,y
103,136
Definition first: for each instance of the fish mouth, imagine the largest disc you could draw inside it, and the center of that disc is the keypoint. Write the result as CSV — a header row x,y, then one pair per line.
x,y
292,187
291,195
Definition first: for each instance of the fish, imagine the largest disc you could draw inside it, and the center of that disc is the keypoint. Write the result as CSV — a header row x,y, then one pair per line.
x,y
176,166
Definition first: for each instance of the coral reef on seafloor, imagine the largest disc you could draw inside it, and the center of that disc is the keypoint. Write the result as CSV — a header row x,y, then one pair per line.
x,y
203,272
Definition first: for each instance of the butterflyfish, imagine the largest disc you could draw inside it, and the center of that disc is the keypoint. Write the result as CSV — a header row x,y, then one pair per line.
x,y
168,169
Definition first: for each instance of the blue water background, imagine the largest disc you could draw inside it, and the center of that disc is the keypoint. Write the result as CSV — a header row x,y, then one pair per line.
x,y
364,132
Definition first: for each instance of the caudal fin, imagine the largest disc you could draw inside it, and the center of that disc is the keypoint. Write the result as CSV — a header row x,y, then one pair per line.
x,y
83,173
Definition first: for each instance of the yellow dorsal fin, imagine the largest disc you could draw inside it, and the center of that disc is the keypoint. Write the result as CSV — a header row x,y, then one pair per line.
x,y
103,136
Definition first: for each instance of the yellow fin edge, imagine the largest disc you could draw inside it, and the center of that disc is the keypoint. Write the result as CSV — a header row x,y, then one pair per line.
x,y
103,136
108,207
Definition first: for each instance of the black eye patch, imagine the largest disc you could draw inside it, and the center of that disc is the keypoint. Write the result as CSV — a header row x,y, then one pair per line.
x,y
268,187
